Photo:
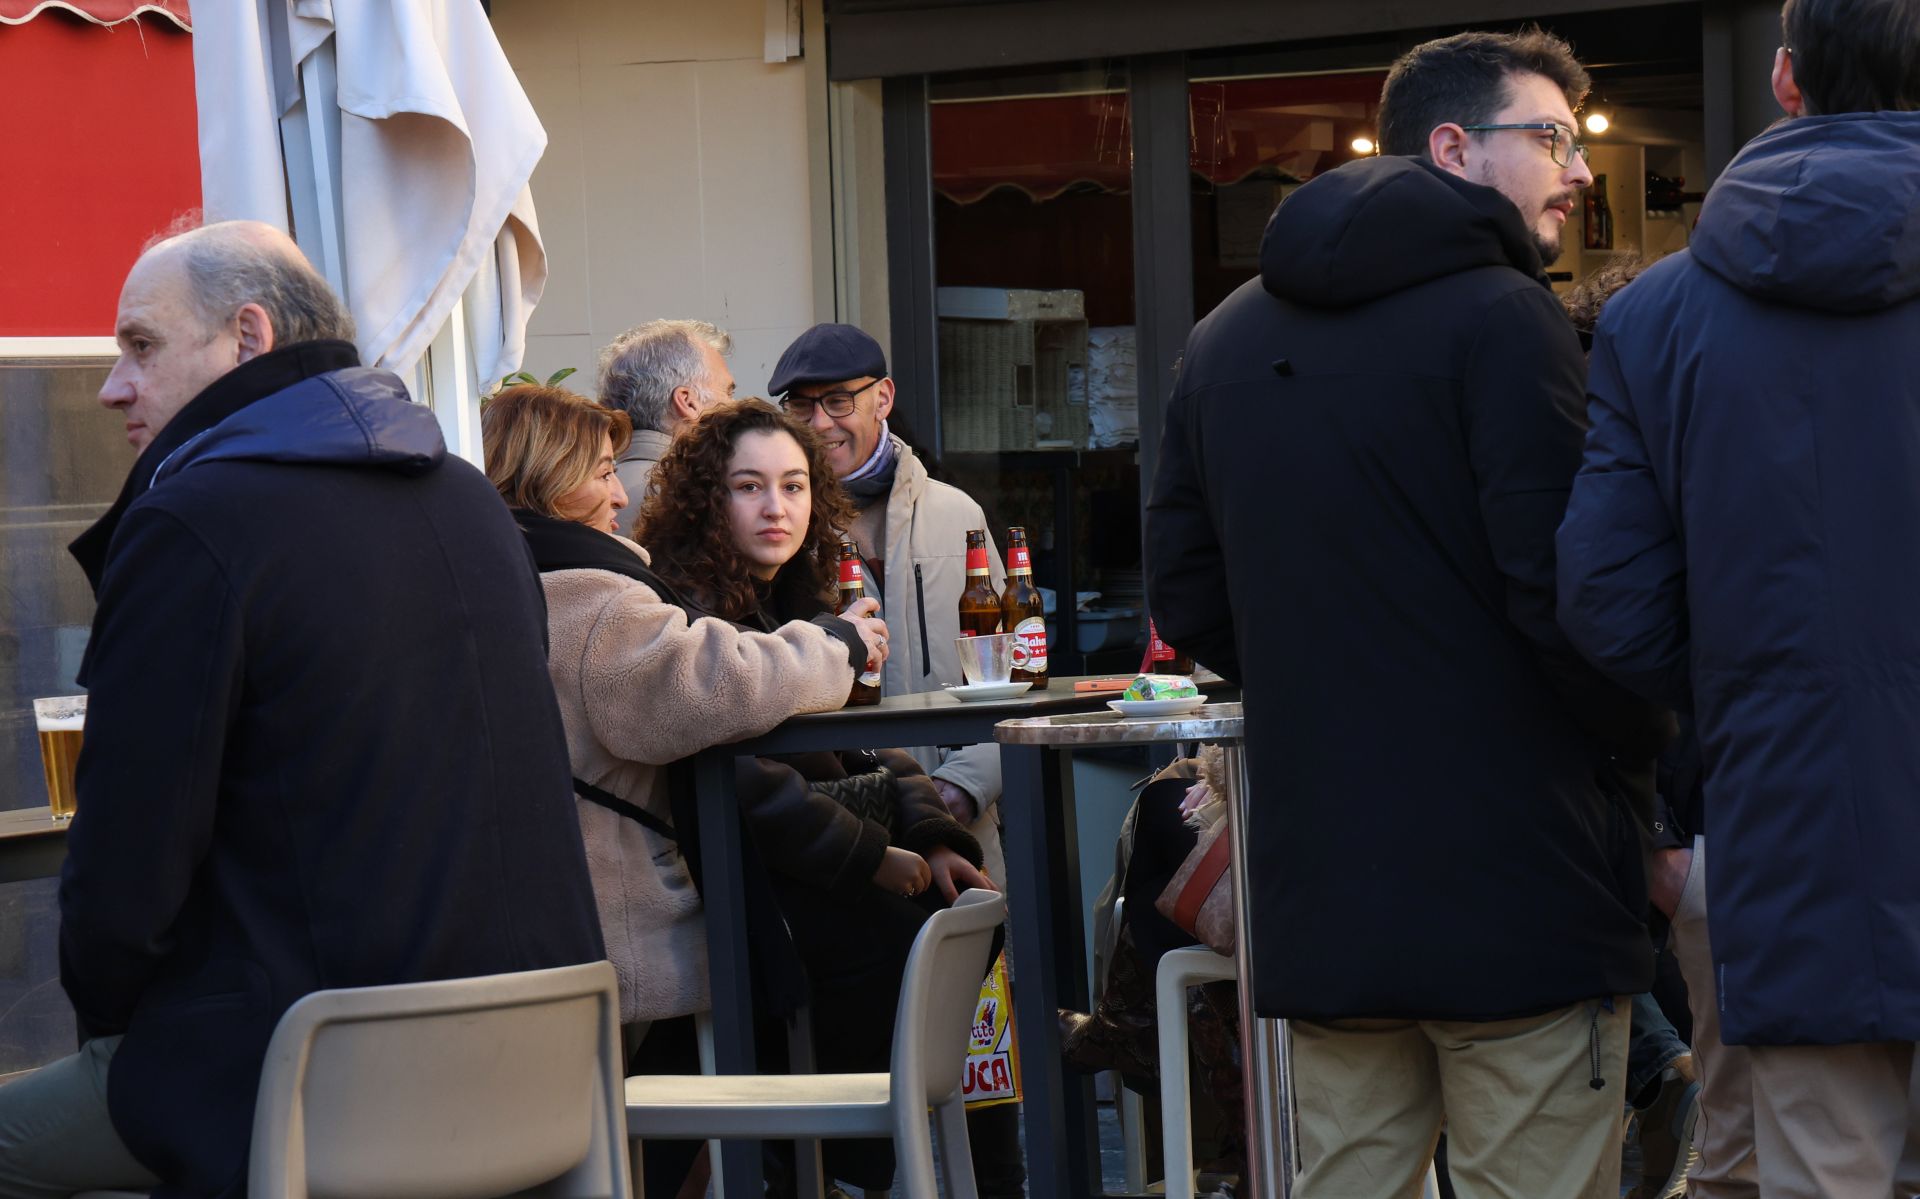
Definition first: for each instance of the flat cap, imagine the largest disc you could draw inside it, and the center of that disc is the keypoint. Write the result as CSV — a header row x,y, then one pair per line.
x,y
827,354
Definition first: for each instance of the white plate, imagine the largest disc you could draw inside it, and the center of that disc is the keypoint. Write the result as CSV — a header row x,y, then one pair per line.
x,y
975,692
1156,707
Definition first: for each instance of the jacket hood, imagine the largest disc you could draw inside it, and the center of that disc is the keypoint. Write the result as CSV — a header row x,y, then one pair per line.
x,y
1381,225
359,416
1820,212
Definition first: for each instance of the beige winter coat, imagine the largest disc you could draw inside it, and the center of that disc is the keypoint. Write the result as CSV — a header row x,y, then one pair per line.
x,y
640,687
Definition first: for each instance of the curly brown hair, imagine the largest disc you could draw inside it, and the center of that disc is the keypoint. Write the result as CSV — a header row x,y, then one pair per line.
x,y
685,525
1590,295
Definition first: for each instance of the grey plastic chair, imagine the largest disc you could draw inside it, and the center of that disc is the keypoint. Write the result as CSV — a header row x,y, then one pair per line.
x,y
462,1089
938,998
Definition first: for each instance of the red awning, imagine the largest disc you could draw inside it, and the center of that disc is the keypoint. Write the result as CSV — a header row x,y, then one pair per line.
x,y
1293,126
100,12
102,151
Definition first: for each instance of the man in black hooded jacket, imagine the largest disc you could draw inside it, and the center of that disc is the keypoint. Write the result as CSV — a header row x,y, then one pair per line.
x,y
1365,458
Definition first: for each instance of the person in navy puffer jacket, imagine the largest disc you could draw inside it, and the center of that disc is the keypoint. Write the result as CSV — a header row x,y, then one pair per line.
x,y
1741,542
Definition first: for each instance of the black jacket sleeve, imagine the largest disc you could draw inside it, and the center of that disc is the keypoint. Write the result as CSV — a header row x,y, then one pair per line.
x,y
804,834
1522,402
164,682
849,637
1186,566
922,817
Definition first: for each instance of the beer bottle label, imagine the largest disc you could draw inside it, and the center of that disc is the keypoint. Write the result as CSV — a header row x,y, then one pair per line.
x,y
850,576
870,678
977,564
1019,561
1032,633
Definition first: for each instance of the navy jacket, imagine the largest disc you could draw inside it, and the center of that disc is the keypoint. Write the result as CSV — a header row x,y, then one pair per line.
x,y
1745,537
322,749
1366,455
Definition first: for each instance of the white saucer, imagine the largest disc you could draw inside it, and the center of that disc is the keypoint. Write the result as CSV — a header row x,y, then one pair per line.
x,y
975,692
1156,707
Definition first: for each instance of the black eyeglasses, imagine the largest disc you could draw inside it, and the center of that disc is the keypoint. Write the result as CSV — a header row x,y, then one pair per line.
x,y
837,403
1561,149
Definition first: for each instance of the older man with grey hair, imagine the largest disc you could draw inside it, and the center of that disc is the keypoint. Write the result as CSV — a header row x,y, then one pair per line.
x,y
322,749
661,374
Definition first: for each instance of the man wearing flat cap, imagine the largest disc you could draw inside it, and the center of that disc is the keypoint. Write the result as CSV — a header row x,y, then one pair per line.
x,y
912,534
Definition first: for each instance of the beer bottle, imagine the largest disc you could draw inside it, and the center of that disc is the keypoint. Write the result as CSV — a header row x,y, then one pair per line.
x,y
979,603
1022,612
1161,657
853,588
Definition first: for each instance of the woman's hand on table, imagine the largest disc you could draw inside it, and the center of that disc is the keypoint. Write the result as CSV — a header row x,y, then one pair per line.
x,y
872,630
955,874
902,872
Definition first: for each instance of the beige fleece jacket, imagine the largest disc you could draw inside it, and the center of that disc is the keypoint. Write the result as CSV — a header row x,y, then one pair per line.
x,y
640,687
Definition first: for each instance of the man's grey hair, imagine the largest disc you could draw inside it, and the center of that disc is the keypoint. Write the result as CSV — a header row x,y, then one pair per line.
x,y
231,264
641,368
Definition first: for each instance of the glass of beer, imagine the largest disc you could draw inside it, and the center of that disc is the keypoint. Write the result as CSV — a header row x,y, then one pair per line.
x,y
61,721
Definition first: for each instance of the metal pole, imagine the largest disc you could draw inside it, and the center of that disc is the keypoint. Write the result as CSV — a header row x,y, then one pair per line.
x,y
1265,1051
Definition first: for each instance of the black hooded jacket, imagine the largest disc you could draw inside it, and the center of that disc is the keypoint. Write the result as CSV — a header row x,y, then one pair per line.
x,y
322,748
1365,458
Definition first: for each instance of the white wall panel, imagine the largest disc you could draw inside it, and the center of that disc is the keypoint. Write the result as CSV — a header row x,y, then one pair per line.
x,y
676,178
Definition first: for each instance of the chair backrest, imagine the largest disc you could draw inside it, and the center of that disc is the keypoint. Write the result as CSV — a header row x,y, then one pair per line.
x,y
939,995
446,1090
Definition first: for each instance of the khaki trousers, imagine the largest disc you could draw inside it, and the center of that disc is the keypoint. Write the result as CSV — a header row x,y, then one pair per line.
x,y
1522,1117
1837,1121
1791,1121
1727,1168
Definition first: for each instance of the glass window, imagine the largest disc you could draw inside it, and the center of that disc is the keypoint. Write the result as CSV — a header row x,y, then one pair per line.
x,y
1033,249
1255,140
62,460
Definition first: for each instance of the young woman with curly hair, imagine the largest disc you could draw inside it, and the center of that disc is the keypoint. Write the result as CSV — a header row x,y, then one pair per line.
x,y
751,522
744,521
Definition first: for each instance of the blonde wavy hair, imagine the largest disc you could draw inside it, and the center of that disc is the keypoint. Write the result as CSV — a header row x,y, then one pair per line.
x,y
542,442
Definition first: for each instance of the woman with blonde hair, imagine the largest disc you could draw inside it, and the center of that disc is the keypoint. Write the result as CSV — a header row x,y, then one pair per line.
x,y
642,686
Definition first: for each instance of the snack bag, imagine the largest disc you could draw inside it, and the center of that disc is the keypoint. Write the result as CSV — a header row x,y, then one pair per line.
x,y
992,1075
1161,686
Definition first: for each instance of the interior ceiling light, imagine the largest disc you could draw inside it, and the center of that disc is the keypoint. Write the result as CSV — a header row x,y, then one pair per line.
x,y
1363,145
1597,122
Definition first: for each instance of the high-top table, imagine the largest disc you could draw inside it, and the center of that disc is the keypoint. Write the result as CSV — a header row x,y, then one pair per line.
x,y
1043,886
1062,1147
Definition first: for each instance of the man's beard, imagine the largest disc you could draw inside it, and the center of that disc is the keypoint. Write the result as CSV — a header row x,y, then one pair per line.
x,y
1550,244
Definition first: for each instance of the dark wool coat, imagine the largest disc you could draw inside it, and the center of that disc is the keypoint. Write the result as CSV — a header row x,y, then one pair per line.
x,y
1743,538
322,750
1366,455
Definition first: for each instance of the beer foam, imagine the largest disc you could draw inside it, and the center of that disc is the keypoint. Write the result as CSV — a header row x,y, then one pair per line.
x,y
60,713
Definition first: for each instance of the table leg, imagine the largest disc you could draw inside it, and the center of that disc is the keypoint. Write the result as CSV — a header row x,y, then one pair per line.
x,y
1265,1049
1049,967
723,885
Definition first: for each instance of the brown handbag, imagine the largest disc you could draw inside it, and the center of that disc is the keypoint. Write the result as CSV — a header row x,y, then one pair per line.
x,y
1200,897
